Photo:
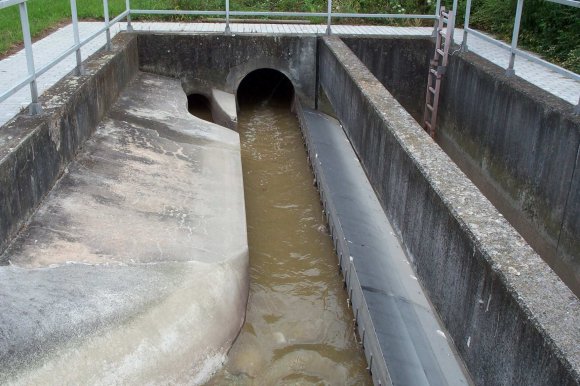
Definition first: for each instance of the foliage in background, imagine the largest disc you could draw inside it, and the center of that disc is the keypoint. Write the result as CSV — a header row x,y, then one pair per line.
x,y
549,29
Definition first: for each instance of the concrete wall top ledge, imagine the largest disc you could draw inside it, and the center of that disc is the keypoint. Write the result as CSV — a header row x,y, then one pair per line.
x,y
35,150
546,301
539,96
14,132
524,141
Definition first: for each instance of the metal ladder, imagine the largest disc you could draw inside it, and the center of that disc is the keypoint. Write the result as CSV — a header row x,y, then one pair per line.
x,y
438,65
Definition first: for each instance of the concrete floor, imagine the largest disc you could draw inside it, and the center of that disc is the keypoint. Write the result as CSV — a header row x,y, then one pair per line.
x,y
141,243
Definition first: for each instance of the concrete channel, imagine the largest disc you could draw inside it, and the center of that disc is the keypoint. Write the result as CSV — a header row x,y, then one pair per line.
x,y
443,289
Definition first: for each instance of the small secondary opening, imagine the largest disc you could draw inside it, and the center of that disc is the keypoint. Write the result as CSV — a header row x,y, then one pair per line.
x,y
267,87
199,106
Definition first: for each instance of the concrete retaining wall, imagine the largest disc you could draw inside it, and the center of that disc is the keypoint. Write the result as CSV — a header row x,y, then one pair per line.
x,y
516,142
35,151
526,142
400,63
512,319
203,62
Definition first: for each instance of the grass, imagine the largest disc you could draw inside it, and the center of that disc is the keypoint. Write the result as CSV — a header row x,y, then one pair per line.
x,y
44,15
549,29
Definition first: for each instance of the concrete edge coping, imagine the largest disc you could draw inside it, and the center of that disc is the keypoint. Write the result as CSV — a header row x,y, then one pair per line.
x,y
548,303
493,70
17,133
51,99
540,96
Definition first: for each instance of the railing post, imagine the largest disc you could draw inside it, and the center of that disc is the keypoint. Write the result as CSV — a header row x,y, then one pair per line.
x,y
108,31
464,47
516,33
34,105
329,20
452,22
128,9
75,21
228,31
437,14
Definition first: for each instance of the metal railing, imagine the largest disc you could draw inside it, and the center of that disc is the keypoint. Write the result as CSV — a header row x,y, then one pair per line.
x,y
513,47
33,73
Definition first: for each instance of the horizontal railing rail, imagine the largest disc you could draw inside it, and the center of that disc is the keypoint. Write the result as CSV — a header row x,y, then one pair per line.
x,y
281,14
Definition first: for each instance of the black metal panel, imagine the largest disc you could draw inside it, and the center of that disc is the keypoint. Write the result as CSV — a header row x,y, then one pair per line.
x,y
403,339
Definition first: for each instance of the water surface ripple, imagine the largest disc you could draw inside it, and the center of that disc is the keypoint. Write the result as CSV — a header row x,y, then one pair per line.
x,y
298,328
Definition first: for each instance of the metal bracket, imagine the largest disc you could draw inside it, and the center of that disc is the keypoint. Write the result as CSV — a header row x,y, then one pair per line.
x,y
435,29
35,109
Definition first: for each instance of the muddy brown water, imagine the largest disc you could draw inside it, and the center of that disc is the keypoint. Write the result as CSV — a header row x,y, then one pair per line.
x,y
298,328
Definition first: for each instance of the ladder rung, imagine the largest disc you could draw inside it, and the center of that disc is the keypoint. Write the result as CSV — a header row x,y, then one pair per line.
x,y
445,14
433,71
432,90
429,107
440,51
428,124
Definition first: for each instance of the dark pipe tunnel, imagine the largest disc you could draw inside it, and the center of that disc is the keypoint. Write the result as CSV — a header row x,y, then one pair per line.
x,y
265,86
199,106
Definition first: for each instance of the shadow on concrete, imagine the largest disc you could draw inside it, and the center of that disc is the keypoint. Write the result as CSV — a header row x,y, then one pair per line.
x,y
200,106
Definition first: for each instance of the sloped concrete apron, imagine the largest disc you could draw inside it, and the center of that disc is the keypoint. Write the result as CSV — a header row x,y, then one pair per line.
x,y
135,267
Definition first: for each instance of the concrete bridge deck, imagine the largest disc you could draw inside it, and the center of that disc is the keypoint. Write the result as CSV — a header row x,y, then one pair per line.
x,y
48,48
148,216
